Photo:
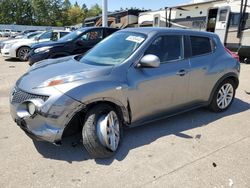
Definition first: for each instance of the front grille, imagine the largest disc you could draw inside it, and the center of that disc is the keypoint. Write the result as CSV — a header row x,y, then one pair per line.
x,y
19,96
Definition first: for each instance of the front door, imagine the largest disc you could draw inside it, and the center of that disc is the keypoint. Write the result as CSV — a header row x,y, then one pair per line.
x,y
222,22
155,91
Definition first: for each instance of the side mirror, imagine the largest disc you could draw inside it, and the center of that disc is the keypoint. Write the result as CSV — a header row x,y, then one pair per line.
x,y
149,61
37,38
80,43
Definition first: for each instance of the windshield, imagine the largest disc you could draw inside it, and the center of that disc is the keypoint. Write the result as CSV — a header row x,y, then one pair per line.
x,y
71,36
114,49
32,35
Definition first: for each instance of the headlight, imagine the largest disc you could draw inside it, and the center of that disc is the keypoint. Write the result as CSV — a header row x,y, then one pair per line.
x,y
31,108
42,49
62,80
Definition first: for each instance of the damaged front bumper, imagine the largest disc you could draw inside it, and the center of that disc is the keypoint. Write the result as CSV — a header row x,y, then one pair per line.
x,y
50,118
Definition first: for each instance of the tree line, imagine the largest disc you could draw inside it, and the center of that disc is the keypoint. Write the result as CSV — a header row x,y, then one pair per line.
x,y
45,12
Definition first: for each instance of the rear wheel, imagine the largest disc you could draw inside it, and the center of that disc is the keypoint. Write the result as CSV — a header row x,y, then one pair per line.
x,y
23,53
223,96
102,131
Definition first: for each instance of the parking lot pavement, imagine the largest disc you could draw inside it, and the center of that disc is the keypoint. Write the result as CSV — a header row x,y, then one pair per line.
x,y
195,149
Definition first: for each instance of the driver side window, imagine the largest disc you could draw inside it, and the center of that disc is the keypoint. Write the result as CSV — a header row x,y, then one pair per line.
x,y
167,48
92,35
47,35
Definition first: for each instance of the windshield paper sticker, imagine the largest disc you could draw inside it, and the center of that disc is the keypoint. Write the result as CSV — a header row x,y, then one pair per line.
x,y
135,39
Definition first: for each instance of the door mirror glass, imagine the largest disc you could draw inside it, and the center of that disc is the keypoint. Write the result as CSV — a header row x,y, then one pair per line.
x,y
149,61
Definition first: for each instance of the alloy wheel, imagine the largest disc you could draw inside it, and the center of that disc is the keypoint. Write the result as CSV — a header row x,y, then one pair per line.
x,y
23,53
225,96
108,130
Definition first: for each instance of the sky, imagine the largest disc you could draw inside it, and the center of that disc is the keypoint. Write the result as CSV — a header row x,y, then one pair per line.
x,y
147,4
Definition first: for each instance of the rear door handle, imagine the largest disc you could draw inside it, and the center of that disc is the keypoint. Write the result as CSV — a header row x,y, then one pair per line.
x,y
181,72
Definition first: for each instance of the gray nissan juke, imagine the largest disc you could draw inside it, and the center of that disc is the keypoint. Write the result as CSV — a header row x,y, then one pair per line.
x,y
134,76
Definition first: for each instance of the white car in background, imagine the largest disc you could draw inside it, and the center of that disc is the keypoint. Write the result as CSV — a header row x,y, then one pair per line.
x,y
20,48
7,33
26,36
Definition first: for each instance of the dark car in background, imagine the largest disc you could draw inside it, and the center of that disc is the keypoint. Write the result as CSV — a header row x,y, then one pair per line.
x,y
77,42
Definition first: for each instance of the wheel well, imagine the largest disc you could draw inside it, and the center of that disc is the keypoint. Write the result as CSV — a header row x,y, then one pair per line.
x,y
230,77
76,123
234,79
115,106
20,48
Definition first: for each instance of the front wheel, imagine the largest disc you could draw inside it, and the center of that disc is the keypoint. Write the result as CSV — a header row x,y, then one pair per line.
x,y
102,131
223,96
23,53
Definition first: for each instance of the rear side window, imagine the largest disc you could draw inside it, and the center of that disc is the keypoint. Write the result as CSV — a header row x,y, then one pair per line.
x,y
200,45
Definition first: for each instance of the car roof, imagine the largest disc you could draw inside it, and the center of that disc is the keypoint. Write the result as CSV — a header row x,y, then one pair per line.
x,y
57,30
88,28
148,30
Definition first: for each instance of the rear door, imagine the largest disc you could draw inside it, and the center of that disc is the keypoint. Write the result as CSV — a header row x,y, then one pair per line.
x,y
201,60
222,22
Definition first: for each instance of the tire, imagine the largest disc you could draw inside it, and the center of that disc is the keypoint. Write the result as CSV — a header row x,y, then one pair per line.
x,y
23,53
97,133
222,101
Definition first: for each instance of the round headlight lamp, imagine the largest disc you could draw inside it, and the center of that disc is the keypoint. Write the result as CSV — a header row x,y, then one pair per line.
x,y
31,108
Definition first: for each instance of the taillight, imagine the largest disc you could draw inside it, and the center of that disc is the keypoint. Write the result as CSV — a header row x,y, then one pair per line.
x,y
234,55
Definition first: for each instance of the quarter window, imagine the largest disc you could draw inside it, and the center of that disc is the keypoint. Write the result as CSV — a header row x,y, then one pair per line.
x,y
200,45
167,48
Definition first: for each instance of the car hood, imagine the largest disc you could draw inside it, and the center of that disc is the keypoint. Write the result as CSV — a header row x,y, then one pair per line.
x,y
50,43
47,69
15,40
18,40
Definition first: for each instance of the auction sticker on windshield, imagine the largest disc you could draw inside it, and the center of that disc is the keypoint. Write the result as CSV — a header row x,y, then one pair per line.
x,y
135,39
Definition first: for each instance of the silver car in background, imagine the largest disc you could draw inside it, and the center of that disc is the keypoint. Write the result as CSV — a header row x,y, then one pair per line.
x,y
20,48
132,77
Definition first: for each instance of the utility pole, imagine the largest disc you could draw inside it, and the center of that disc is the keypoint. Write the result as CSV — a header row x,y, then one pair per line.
x,y
105,13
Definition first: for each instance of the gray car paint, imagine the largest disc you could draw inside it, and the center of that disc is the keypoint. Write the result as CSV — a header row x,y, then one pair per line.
x,y
143,94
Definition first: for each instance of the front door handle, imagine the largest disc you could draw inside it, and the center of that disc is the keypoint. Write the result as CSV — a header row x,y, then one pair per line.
x,y
181,72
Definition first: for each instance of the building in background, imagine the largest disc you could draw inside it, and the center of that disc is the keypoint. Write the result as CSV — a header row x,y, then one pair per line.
x,y
118,19
229,19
